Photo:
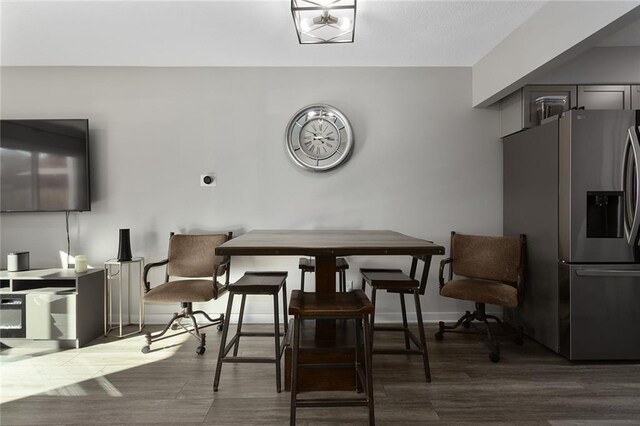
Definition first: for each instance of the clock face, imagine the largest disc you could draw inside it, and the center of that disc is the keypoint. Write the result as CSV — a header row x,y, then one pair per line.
x,y
319,137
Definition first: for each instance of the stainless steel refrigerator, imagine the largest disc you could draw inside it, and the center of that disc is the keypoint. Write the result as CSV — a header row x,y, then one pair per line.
x,y
572,185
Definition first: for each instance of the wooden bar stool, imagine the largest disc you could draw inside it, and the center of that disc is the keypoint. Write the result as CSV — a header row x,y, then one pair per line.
x,y
353,305
309,266
254,283
395,281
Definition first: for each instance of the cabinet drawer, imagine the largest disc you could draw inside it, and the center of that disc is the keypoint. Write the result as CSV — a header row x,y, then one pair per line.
x,y
51,316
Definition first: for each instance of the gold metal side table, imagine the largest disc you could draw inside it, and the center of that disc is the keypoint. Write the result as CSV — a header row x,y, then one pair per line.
x,y
117,271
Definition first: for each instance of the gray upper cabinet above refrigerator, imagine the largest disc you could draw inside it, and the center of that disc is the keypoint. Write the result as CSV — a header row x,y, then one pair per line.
x,y
519,110
604,97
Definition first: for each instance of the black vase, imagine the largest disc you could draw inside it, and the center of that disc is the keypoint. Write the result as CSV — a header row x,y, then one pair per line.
x,y
124,246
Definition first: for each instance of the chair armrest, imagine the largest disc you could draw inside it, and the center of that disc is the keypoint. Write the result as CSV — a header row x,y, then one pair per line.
x,y
443,263
220,264
218,288
147,268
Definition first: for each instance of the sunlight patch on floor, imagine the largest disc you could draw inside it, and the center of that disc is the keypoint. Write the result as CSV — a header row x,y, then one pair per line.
x,y
26,372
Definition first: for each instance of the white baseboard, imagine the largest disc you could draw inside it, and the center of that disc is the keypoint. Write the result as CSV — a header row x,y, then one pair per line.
x,y
267,318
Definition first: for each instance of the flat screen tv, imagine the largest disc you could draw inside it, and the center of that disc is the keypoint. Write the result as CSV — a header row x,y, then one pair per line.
x,y
44,165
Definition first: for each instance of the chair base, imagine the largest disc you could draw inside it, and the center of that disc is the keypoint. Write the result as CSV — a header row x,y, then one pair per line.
x,y
480,315
175,323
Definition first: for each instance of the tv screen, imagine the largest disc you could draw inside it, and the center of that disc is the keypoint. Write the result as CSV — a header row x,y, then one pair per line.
x,y
44,165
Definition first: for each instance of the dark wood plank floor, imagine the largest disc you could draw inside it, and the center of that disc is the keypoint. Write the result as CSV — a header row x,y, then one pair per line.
x,y
111,382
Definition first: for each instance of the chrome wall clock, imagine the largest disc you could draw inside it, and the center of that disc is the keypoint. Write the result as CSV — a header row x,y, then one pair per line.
x,y
319,137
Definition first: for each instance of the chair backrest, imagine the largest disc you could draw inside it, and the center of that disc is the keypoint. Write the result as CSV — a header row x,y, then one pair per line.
x,y
489,258
194,256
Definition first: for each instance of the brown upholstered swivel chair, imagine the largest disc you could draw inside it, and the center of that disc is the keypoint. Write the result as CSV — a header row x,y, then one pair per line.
x,y
194,265
491,270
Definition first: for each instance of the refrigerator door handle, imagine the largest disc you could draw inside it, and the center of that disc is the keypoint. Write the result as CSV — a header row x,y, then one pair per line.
x,y
631,182
608,272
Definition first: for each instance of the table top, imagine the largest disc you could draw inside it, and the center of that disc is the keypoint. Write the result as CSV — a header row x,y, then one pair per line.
x,y
326,243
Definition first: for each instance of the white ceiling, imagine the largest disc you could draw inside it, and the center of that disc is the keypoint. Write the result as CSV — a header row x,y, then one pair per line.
x,y
250,33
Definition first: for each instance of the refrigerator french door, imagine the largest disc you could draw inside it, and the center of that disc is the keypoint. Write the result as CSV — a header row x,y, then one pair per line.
x,y
596,204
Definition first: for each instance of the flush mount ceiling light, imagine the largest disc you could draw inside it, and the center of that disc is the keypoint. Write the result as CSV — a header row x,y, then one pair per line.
x,y
324,21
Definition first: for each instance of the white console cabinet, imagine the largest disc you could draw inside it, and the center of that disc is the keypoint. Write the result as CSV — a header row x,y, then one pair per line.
x,y
51,307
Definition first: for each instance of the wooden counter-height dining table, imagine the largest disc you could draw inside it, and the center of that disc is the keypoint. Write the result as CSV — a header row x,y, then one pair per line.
x,y
325,246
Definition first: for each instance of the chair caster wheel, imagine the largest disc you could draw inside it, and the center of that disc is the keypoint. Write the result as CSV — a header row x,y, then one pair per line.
x,y
466,324
494,357
439,335
220,326
174,327
145,349
200,350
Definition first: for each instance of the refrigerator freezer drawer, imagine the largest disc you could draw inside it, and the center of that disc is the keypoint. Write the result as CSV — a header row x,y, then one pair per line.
x,y
600,312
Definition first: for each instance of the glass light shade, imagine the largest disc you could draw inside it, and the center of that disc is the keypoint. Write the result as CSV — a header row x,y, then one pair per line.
x,y
324,21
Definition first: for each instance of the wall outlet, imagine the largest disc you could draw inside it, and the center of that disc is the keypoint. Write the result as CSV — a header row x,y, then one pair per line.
x,y
208,179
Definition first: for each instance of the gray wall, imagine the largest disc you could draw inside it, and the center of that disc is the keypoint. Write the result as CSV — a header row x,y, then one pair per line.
x,y
425,162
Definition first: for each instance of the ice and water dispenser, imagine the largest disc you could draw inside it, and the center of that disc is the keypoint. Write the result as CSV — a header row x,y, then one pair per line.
x,y
605,214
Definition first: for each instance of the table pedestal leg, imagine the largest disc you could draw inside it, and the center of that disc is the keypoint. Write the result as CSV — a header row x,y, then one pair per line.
x,y
325,283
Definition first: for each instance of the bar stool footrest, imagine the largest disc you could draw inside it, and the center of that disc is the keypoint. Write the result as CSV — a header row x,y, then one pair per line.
x,y
249,359
409,333
389,351
258,334
327,365
328,402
